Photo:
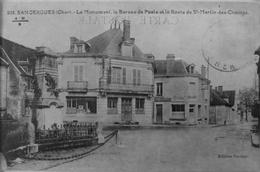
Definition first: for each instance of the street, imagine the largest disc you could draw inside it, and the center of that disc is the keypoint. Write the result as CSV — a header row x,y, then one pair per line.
x,y
226,148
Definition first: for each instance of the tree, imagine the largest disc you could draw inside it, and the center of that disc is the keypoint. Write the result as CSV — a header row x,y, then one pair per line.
x,y
247,97
52,85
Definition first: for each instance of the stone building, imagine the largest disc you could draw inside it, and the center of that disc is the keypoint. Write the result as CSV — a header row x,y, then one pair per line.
x,y
181,93
16,78
221,106
106,78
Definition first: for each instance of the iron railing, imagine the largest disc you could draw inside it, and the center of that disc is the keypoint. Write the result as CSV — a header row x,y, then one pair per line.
x,y
69,131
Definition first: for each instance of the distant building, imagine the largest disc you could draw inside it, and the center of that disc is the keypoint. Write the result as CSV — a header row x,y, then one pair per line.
x,y
221,106
107,78
181,93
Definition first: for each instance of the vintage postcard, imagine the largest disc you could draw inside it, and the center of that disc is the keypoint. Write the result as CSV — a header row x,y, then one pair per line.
x,y
130,86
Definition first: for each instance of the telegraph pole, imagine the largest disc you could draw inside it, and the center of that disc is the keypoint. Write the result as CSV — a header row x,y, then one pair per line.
x,y
257,52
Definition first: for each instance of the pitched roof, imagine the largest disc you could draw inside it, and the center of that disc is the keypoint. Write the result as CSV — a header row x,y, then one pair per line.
x,y
9,60
109,43
12,52
16,51
216,100
171,67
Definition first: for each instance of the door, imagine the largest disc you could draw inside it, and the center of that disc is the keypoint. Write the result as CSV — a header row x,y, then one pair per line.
x,y
159,113
126,109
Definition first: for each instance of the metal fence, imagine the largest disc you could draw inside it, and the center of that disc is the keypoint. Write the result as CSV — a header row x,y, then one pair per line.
x,y
66,135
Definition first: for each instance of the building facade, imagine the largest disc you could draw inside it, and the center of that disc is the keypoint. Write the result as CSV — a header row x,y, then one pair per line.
x,y
106,78
181,93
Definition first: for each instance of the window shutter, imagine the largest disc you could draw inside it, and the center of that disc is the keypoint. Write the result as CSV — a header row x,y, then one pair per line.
x,y
124,75
81,73
134,76
138,77
118,76
76,73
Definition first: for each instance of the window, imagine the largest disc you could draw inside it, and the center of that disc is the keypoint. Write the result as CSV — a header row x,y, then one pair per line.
x,y
192,69
81,104
139,105
178,108
159,89
116,75
80,48
112,105
191,108
178,112
78,73
124,75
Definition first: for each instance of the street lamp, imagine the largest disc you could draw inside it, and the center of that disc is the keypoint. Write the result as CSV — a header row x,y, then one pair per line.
x,y
257,52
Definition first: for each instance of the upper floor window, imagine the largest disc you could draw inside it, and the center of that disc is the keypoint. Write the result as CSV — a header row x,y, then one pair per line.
x,y
78,72
116,75
159,89
136,77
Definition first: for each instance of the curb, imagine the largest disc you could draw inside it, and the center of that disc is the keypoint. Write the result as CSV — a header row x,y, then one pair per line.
x,y
136,127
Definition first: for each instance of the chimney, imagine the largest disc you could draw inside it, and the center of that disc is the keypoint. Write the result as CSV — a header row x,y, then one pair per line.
x,y
220,89
170,60
170,57
203,71
126,30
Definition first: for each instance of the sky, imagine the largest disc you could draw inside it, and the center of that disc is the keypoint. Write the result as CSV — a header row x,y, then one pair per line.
x,y
190,30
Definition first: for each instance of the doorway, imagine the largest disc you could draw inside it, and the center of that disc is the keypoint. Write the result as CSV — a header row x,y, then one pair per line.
x,y
126,108
159,113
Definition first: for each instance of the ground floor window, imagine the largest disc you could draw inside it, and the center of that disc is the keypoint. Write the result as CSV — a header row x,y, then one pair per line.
x,y
112,105
191,108
81,104
139,105
178,108
178,111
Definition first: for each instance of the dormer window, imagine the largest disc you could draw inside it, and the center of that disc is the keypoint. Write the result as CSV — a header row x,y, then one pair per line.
x,y
191,68
80,48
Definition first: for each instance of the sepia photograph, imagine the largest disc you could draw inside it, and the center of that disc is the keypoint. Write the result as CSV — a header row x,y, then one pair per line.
x,y
130,86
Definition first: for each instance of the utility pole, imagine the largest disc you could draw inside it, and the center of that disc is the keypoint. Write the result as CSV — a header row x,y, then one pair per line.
x,y
257,52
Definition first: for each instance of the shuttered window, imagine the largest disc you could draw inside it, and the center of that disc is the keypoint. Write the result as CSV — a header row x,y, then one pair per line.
x,y
138,77
116,75
124,75
134,76
78,72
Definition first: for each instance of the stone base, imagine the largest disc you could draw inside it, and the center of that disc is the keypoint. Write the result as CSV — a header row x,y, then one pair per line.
x,y
255,139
